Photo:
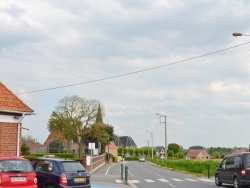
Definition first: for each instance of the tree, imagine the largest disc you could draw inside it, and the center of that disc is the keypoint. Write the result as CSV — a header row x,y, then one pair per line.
x,y
72,117
28,139
110,130
174,147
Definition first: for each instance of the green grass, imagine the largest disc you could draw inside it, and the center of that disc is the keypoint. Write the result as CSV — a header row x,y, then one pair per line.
x,y
198,167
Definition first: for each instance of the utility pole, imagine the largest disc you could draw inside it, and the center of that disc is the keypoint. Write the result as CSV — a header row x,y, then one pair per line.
x,y
165,122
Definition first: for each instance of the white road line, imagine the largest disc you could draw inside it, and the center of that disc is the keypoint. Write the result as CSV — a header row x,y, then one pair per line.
x,y
134,181
108,170
149,180
207,180
163,180
190,179
118,181
175,179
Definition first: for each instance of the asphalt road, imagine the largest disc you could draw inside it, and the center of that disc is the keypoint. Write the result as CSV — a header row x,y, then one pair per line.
x,y
145,175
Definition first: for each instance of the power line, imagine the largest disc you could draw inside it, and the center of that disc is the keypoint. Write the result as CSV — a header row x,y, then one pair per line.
x,y
238,68
135,72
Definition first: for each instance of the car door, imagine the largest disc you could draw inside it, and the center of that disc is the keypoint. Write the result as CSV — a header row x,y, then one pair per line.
x,y
45,171
222,170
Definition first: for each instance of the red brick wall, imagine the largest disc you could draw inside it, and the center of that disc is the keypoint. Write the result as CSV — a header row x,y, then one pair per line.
x,y
97,162
8,138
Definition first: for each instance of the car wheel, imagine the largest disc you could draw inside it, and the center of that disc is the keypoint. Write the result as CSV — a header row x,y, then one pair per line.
x,y
236,183
217,180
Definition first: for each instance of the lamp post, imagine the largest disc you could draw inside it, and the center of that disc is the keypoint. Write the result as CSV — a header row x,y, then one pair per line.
x,y
148,145
152,142
165,122
237,34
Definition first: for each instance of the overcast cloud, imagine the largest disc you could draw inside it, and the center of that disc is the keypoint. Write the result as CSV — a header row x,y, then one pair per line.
x,y
46,44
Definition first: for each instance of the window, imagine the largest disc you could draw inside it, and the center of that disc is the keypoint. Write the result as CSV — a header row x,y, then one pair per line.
x,y
230,162
72,166
45,166
247,161
15,166
237,161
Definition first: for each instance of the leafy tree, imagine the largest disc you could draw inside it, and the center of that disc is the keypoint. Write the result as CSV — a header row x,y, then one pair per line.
x,y
110,130
25,149
97,133
72,117
170,153
28,139
196,147
131,151
174,147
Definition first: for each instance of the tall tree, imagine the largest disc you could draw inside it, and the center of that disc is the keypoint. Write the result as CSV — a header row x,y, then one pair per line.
x,y
72,117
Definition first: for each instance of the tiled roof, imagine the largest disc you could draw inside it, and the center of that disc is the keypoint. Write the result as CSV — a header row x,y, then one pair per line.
x,y
195,153
9,101
125,141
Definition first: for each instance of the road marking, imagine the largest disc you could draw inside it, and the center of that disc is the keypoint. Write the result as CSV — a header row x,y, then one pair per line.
x,y
108,170
190,179
134,181
163,180
176,179
118,181
149,180
207,180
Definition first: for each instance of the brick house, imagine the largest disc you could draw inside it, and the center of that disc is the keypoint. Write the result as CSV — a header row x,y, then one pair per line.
x,y
197,154
112,148
12,112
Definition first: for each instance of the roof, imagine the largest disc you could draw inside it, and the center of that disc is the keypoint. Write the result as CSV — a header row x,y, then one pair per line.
x,y
52,137
124,141
8,157
239,150
195,153
10,102
111,145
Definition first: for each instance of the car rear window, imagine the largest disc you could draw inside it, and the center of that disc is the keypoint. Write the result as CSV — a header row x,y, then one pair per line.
x,y
15,166
72,166
247,161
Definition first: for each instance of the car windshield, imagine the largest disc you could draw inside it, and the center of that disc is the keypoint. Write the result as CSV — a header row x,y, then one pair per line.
x,y
75,166
15,166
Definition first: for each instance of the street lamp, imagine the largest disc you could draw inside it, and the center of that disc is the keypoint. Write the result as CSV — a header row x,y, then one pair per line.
x,y
165,121
237,34
148,145
152,141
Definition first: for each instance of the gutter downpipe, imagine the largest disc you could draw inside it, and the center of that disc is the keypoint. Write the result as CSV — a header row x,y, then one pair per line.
x,y
18,134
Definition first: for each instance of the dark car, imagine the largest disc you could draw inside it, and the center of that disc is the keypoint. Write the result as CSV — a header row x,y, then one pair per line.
x,y
234,169
60,173
16,172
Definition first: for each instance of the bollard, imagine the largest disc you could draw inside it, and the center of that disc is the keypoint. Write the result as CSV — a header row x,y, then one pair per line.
x,y
126,174
208,172
122,171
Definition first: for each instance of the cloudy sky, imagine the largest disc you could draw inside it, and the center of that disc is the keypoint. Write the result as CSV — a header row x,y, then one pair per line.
x,y
139,58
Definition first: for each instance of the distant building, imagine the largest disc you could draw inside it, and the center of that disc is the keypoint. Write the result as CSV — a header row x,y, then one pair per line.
x,y
125,141
239,150
112,148
197,154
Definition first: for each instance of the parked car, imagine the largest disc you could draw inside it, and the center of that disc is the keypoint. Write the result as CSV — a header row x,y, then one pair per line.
x,y
234,169
141,159
16,172
60,173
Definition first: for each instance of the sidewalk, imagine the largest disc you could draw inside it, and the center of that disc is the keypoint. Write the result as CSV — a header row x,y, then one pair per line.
x,y
109,176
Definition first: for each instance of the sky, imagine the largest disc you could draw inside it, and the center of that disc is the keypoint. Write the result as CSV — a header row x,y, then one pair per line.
x,y
138,58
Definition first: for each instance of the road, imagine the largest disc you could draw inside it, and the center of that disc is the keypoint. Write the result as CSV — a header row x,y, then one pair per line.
x,y
145,175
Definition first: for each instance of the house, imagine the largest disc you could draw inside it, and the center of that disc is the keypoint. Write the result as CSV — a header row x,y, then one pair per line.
x,y
12,112
125,141
197,154
111,148
239,150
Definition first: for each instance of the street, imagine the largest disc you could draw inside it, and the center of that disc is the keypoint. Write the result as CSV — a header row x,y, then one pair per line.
x,y
144,175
